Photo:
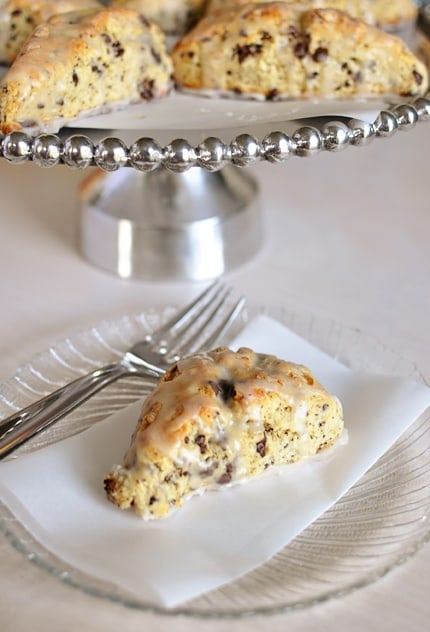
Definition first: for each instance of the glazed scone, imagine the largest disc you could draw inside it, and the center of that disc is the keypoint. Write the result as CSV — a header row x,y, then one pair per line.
x,y
19,18
174,17
384,13
220,418
280,50
81,63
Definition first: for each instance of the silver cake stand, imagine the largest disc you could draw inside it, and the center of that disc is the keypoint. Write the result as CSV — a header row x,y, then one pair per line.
x,y
182,210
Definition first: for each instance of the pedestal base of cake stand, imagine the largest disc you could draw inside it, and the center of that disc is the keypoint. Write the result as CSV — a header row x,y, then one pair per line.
x,y
161,225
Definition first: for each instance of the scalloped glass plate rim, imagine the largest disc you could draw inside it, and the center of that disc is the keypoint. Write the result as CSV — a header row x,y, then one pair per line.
x,y
34,552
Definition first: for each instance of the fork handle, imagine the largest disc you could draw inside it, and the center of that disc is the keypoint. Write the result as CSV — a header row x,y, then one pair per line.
x,y
23,425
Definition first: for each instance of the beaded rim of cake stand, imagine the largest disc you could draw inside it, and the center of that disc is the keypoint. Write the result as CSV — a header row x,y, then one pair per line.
x,y
78,151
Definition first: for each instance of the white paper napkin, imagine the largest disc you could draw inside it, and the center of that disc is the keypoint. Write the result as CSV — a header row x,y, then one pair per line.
x,y
57,492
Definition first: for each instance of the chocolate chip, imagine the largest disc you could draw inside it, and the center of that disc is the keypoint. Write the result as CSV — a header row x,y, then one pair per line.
x,y
109,485
301,49
228,390
156,56
320,54
118,49
418,77
226,477
293,32
224,388
75,78
146,89
272,94
260,446
152,500
265,36
246,50
200,440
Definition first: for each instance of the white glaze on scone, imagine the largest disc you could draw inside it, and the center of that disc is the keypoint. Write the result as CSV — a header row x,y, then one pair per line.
x,y
19,18
221,418
84,61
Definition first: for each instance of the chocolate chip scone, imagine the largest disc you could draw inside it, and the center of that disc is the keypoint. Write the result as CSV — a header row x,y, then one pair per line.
x,y
84,62
218,418
174,17
384,13
19,18
280,50
393,13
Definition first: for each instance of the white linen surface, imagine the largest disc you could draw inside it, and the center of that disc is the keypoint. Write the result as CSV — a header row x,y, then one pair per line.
x,y
57,492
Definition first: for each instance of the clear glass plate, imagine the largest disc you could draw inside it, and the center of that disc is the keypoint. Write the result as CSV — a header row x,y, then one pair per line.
x,y
376,526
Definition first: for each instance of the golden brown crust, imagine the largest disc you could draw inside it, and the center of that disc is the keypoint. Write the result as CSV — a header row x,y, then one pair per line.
x,y
278,50
221,418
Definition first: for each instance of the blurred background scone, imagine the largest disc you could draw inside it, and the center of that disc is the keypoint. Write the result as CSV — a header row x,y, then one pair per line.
x,y
280,50
384,13
174,17
19,18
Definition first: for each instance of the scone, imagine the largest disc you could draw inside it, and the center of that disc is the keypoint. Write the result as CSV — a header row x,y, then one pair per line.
x,y
220,418
19,18
384,13
174,17
280,50
80,63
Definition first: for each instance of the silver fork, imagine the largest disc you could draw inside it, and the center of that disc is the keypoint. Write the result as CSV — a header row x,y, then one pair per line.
x,y
184,333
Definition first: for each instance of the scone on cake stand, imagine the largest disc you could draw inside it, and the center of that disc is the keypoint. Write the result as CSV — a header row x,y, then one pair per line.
x,y
159,208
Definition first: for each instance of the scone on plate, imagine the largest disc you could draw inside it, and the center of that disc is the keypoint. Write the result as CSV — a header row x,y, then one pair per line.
x,y
384,13
279,50
19,18
84,62
174,17
220,418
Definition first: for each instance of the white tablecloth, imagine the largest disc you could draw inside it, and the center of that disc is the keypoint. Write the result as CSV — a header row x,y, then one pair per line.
x,y
347,238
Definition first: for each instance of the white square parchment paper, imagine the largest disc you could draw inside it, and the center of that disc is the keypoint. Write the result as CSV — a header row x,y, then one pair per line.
x,y
57,492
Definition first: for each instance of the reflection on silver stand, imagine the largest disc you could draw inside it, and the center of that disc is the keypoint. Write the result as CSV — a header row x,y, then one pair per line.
x,y
183,211
160,225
